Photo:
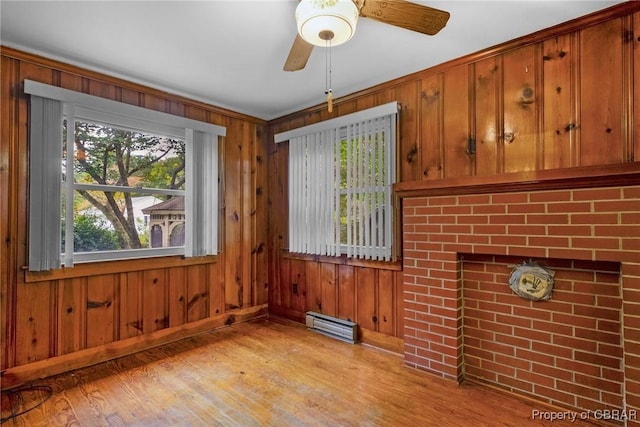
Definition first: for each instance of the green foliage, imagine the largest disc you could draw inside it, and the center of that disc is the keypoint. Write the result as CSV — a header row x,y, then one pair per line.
x,y
89,234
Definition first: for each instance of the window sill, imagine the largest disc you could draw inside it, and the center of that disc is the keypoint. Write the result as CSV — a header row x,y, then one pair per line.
x,y
343,260
119,266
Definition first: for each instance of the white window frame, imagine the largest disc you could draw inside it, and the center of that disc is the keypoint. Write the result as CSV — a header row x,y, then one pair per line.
x,y
201,194
314,185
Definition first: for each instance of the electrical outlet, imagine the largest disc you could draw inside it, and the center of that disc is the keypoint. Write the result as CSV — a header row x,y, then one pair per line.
x,y
294,288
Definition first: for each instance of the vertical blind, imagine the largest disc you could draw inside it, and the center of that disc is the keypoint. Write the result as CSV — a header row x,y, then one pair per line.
x,y
201,193
340,177
45,176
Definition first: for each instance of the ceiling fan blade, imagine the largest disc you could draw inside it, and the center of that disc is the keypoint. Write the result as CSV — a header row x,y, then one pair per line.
x,y
404,14
298,55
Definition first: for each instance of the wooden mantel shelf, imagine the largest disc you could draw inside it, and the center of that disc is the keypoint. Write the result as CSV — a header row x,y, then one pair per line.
x,y
578,177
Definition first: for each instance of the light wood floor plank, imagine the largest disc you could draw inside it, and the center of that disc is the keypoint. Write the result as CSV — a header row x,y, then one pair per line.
x,y
268,372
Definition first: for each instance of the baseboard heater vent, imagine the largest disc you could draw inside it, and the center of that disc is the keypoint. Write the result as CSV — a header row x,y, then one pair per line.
x,y
331,326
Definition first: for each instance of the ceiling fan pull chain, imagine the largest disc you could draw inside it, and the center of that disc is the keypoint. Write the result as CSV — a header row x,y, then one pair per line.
x,y
328,91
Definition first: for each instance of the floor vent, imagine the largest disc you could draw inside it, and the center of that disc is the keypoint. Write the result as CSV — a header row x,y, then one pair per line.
x,y
344,330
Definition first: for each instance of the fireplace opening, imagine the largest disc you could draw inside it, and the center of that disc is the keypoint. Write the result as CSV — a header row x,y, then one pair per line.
x,y
566,351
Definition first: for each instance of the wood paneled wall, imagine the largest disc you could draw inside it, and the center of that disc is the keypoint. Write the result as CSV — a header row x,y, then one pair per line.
x,y
74,317
560,98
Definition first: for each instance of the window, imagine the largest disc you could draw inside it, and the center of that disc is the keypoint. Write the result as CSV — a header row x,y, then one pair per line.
x,y
124,181
340,177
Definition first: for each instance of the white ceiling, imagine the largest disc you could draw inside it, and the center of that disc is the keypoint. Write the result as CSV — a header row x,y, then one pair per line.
x,y
231,53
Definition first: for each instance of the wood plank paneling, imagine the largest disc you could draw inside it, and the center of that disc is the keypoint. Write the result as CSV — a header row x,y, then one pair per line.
x,y
198,287
101,305
635,60
560,129
8,202
519,135
488,118
346,292
328,289
216,290
178,296
155,315
131,297
259,220
386,302
601,101
233,197
313,291
33,323
431,127
298,282
72,314
407,95
366,310
455,124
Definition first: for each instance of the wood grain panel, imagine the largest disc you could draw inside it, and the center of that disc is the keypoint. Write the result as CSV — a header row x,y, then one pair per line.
x,y
366,284
488,115
131,298
346,292
8,201
102,89
456,122
233,196
407,151
328,289
371,100
298,282
407,95
33,322
72,315
101,309
178,295
259,216
313,290
216,289
155,315
559,91
635,154
284,285
386,302
248,202
519,135
601,80
431,127
197,293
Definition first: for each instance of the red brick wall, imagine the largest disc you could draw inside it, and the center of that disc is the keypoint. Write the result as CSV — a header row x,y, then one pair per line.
x,y
601,224
566,351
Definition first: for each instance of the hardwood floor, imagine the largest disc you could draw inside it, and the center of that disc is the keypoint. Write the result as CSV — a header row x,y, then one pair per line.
x,y
266,372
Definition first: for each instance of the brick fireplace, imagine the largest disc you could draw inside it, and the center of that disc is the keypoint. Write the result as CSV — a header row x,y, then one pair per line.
x,y
461,241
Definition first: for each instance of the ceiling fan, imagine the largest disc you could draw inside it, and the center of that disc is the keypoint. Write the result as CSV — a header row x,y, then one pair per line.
x,y
321,22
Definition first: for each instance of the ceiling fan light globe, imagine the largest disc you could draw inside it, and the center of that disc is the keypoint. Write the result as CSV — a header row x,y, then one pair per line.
x,y
317,18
